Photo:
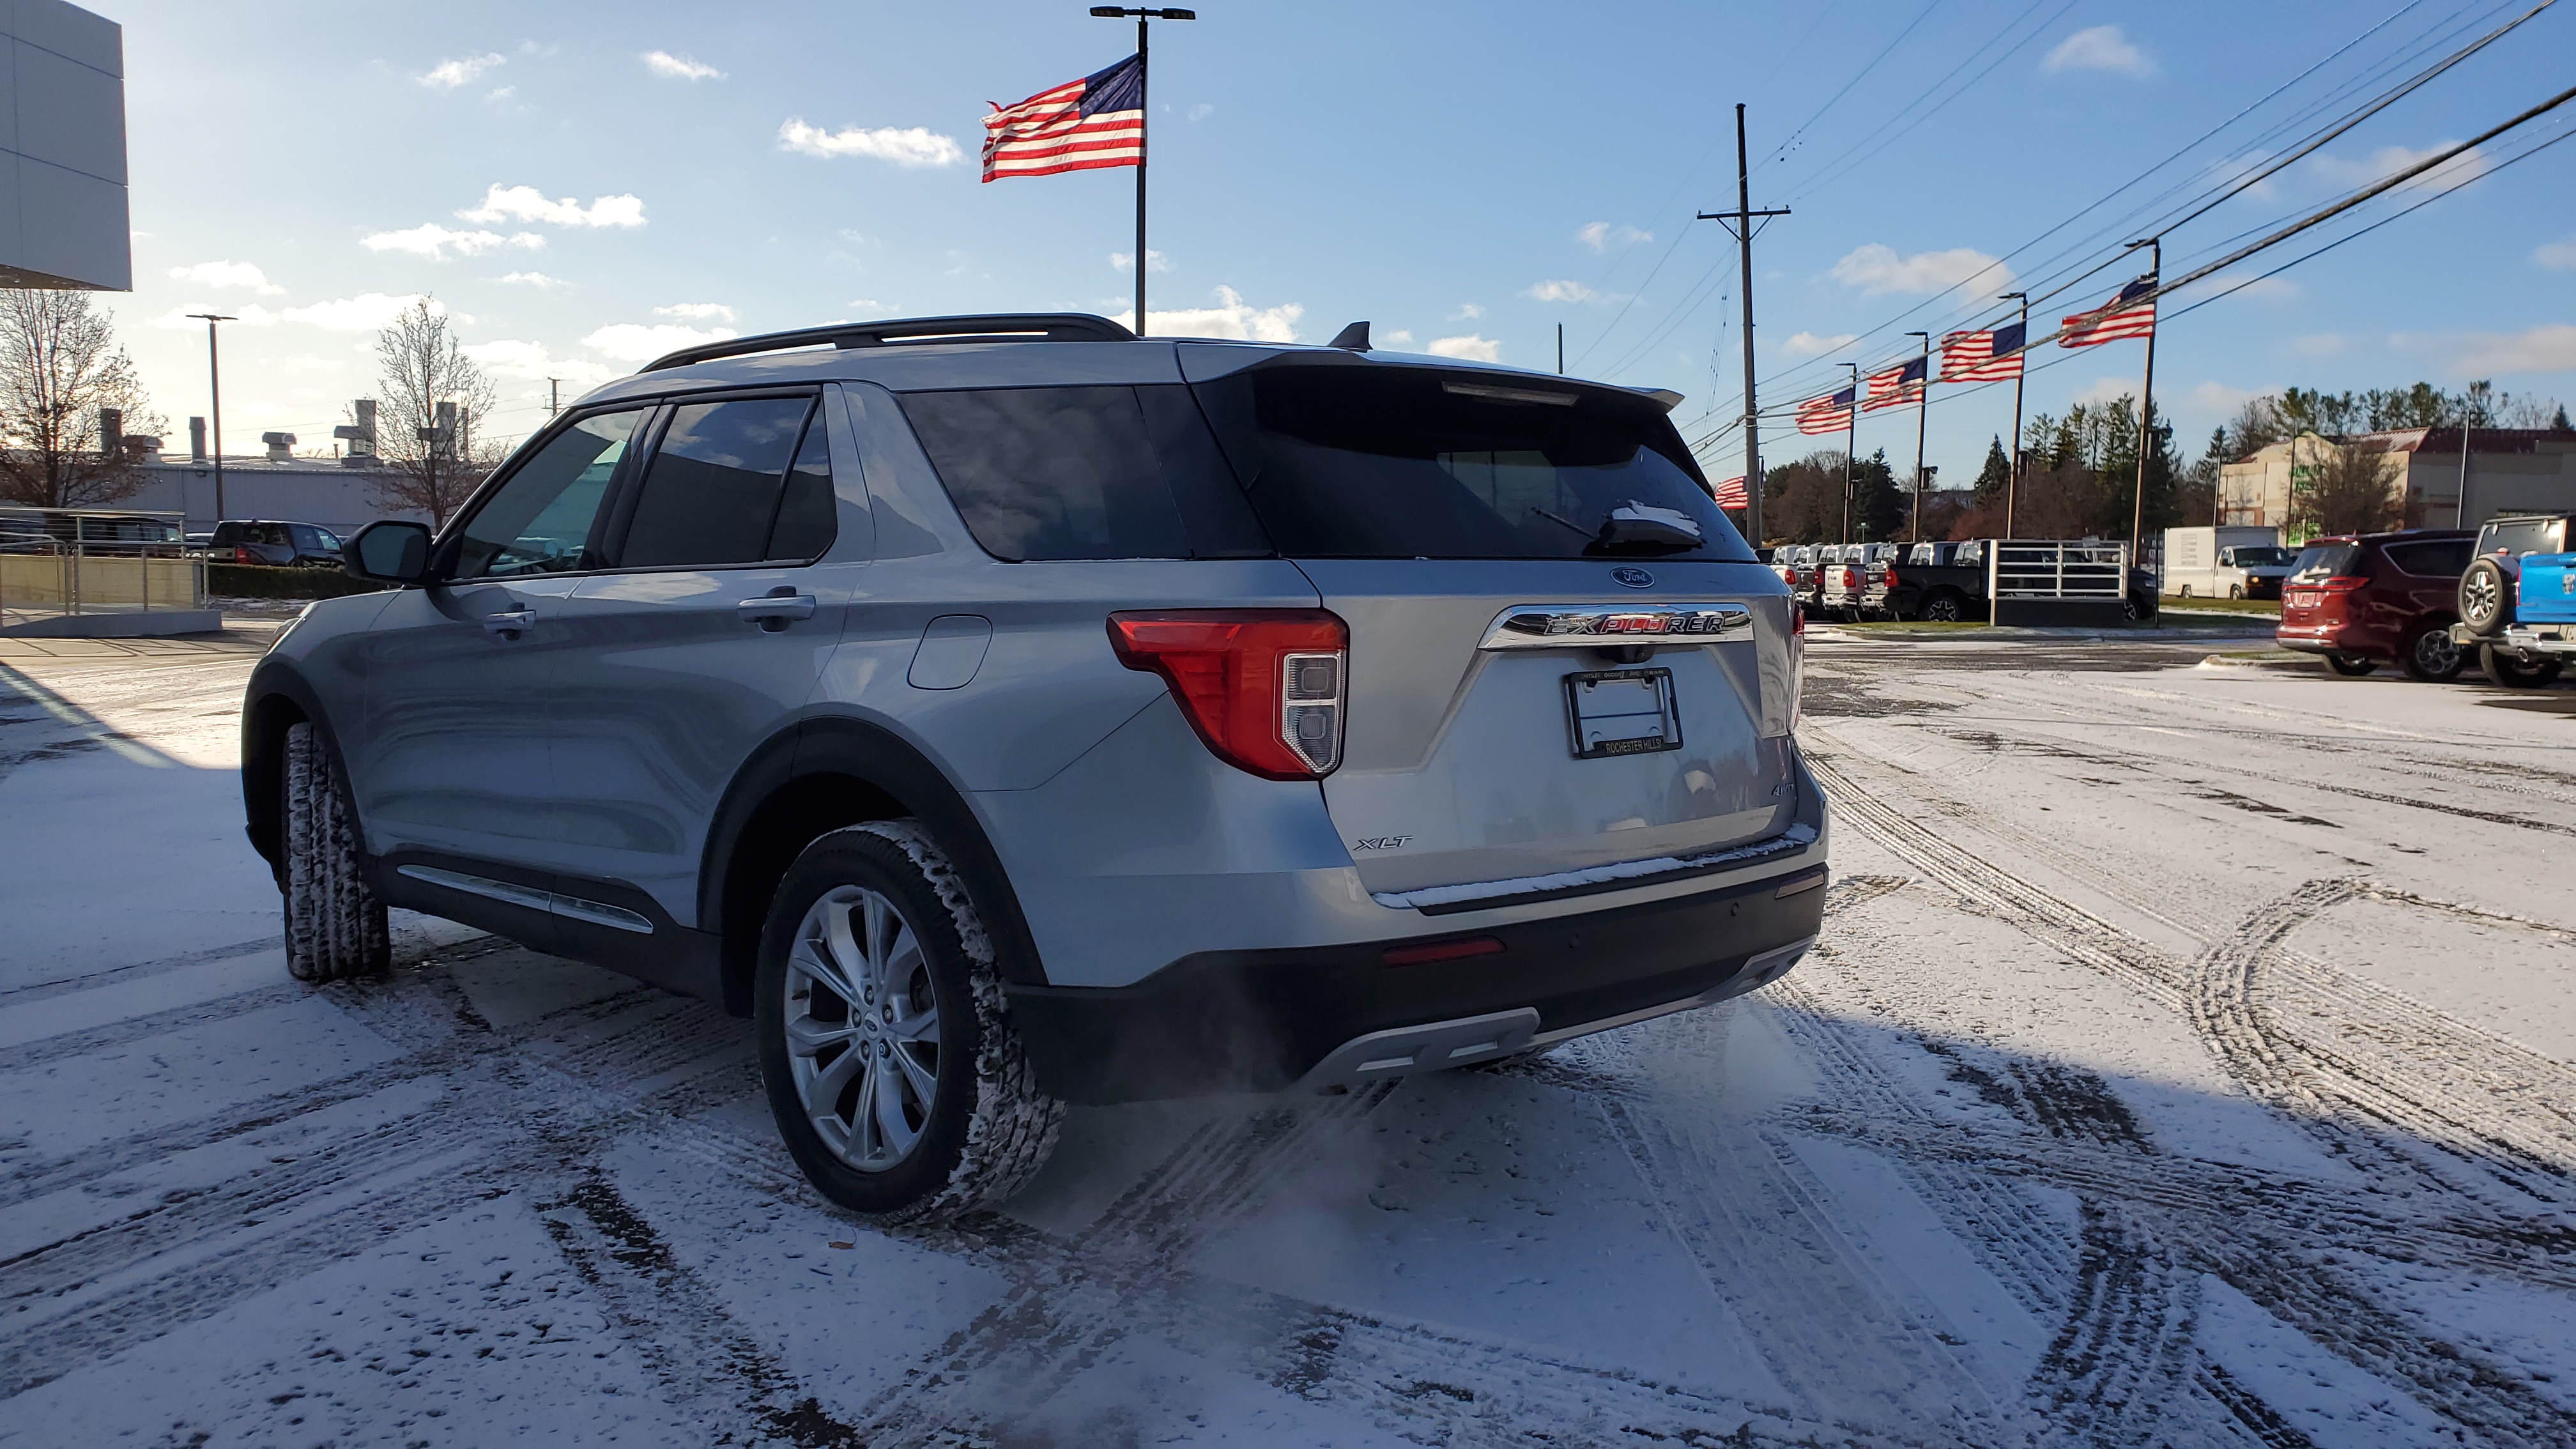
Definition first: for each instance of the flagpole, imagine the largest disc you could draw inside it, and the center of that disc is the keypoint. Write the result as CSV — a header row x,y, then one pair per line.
x,y
2146,407
1922,416
2012,478
1144,117
1851,447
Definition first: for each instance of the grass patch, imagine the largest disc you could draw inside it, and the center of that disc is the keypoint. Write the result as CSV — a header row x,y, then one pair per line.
x,y
2269,608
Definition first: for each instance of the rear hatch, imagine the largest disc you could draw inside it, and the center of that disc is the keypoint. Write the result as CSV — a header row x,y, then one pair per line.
x,y
2312,597
1562,656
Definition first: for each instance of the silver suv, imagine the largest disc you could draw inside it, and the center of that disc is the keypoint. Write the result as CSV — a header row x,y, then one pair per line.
x,y
1007,711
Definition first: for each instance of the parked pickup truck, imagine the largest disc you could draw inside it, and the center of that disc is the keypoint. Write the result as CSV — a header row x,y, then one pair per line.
x,y
2518,599
1940,582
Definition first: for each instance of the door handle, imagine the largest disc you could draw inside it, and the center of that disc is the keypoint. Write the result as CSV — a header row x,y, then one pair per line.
x,y
774,612
510,623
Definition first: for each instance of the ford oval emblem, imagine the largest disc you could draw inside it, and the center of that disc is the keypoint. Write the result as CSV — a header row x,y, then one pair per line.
x,y
1633,578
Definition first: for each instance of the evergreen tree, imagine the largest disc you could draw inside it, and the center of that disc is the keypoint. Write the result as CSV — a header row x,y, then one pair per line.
x,y
1878,508
1996,475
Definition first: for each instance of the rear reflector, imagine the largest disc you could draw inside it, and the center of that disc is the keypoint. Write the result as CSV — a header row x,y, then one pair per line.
x,y
1800,884
1442,951
1263,687
2344,583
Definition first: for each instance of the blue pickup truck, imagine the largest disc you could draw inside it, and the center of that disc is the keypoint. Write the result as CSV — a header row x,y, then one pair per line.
x,y
2518,599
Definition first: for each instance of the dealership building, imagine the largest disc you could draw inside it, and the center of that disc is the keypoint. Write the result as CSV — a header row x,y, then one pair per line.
x,y
2510,470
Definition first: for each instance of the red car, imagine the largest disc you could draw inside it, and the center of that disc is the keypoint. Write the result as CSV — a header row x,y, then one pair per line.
x,y
2363,599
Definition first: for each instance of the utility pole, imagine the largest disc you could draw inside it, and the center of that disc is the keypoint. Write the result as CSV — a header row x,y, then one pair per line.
x,y
215,384
1743,218
2146,408
2012,478
1851,448
1144,112
554,396
1922,415
1560,349
2460,505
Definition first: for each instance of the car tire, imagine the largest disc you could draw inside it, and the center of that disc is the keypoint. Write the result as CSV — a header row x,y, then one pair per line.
x,y
2184,592
2486,597
335,922
1944,607
2502,668
2350,666
877,912
2428,654
2235,593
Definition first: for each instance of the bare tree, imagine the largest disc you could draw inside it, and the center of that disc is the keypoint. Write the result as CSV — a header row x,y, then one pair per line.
x,y
59,365
2347,490
428,424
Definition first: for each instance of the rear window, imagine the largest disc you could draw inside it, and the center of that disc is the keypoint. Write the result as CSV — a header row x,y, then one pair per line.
x,y
1085,473
2439,559
1365,461
2325,560
2526,536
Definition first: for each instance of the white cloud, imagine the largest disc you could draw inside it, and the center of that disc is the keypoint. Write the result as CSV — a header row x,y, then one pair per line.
x,y
1876,268
538,280
1598,235
2229,170
1231,317
2550,347
525,203
2107,390
1470,348
2557,256
1399,335
642,342
447,75
313,364
903,146
2387,161
2220,399
502,96
870,304
249,314
227,274
2103,47
1561,292
1202,111
1808,344
1467,312
679,67
362,313
433,241
530,360
1155,261
697,311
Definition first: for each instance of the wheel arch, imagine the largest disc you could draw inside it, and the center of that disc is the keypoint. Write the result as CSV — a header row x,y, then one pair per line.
x,y
276,700
820,775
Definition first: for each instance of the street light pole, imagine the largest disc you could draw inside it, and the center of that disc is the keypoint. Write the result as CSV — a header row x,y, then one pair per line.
x,y
215,384
1851,449
1922,416
2146,407
1144,112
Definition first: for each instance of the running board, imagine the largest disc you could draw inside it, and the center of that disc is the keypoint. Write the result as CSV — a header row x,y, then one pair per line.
x,y
555,903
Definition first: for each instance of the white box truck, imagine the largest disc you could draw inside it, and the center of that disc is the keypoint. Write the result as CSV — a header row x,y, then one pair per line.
x,y
2237,562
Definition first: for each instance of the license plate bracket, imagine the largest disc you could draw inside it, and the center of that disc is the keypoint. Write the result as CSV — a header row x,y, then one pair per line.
x,y
1615,712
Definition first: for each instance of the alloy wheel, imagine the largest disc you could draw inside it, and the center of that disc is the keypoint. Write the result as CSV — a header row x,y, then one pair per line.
x,y
2435,655
2480,599
862,1028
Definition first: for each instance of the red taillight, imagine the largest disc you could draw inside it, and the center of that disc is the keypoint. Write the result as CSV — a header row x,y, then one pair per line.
x,y
1263,687
1891,576
1797,661
2343,584
243,555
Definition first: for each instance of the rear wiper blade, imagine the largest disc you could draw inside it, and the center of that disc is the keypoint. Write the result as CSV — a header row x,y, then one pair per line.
x,y
1634,525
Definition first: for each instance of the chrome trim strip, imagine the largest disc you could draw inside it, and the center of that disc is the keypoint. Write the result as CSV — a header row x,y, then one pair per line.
x,y
531,898
1579,626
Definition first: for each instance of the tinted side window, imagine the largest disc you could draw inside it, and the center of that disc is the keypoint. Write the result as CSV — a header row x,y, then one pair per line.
x,y
1084,472
540,520
711,494
2441,559
808,519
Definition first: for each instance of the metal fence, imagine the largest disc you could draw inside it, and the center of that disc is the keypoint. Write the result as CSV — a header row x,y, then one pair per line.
x,y
2056,569
96,561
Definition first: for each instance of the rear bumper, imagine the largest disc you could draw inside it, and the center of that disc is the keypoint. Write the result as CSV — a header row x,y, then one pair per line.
x,y
1330,1016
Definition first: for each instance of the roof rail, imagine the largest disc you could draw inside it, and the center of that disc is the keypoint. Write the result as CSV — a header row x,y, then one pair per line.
x,y
1024,327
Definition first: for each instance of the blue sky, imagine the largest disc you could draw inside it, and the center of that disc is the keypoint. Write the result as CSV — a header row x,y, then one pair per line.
x,y
585,186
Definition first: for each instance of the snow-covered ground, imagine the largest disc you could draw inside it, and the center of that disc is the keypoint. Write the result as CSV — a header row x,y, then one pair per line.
x,y
2191,1061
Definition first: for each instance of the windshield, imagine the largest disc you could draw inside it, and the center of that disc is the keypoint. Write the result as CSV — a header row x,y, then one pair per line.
x,y
1370,462
2326,560
2263,558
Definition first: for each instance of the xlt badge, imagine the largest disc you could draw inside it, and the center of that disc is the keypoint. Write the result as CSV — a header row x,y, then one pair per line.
x,y
1379,842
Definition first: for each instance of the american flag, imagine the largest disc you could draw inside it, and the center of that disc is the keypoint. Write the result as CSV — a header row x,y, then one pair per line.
x,y
1730,493
2130,314
1993,356
1895,388
1096,121
1830,414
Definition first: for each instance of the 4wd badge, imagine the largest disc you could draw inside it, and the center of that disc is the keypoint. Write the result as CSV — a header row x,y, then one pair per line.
x,y
1633,578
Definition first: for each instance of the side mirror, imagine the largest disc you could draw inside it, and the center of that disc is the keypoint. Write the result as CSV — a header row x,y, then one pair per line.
x,y
389,551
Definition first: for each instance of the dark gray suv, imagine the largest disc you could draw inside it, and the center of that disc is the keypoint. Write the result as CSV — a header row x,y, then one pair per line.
x,y
1006,712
